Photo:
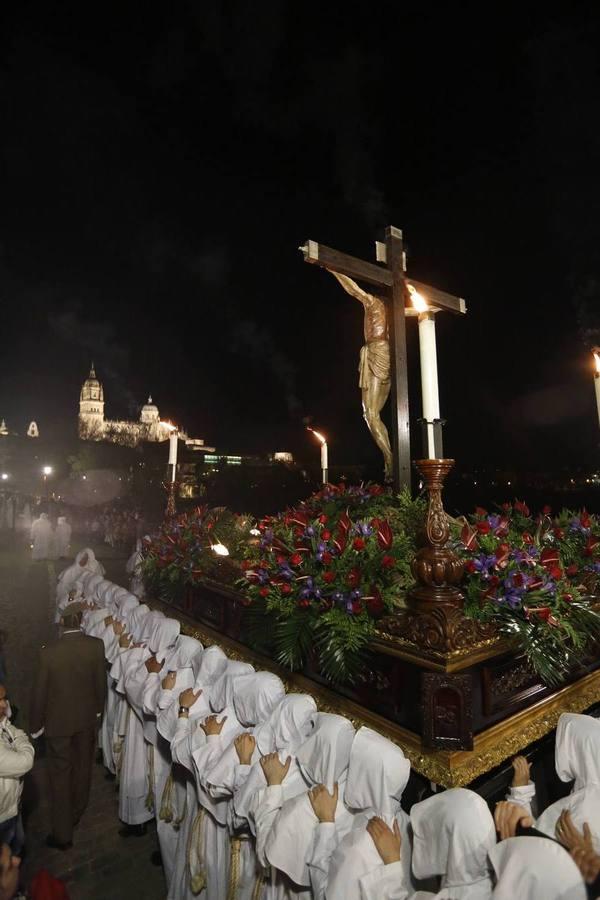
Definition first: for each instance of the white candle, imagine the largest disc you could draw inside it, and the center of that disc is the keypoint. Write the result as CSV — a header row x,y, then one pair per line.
x,y
324,461
597,380
429,377
173,453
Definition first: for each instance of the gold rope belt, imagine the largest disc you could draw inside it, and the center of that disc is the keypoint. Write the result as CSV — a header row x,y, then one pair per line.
x,y
150,794
198,879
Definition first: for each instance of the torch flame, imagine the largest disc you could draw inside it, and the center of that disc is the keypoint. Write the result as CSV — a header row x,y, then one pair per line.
x,y
596,352
418,300
319,436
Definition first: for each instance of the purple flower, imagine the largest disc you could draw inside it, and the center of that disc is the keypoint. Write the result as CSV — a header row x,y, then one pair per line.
x,y
494,522
484,564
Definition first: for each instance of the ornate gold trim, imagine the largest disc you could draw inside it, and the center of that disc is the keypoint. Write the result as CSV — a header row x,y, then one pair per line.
x,y
438,661
447,768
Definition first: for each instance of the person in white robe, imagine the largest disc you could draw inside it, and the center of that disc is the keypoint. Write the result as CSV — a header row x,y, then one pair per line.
x,y
159,690
134,570
256,699
284,819
41,537
534,868
290,725
85,561
453,833
62,538
377,776
577,760
209,844
183,731
136,785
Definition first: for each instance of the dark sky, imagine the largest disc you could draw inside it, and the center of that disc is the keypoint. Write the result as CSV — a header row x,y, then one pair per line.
x,y
162,168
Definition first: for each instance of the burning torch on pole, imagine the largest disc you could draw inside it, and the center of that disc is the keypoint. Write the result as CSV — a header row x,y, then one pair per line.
x,y
324,454
596,352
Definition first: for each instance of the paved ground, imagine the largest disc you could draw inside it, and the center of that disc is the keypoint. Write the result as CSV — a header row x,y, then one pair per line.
x,y
101,865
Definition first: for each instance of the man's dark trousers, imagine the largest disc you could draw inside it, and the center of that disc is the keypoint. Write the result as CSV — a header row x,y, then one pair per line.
x,y
70,761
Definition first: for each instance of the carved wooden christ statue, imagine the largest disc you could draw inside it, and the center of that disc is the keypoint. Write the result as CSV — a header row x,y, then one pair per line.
x,y
374,366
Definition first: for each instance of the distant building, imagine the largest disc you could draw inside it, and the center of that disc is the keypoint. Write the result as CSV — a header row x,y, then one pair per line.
x,y
94,427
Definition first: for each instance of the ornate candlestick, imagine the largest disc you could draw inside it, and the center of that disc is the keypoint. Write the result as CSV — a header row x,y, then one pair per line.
x,y
171,489
434,619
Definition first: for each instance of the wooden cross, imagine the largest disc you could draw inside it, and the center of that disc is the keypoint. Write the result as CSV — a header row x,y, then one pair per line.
x,y
390,281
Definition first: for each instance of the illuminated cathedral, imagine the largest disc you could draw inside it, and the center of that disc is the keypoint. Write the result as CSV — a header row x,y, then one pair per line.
x,y
94,427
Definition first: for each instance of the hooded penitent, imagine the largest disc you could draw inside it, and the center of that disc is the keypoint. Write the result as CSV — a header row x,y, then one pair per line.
x,y
453,832
322,759
377,776
533,868
577,754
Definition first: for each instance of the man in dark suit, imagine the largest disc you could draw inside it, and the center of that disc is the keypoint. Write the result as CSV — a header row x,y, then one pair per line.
x,y
68,700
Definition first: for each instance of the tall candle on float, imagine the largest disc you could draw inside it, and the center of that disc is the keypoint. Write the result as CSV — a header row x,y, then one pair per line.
x,y
596,352
324,454
173,437
429,375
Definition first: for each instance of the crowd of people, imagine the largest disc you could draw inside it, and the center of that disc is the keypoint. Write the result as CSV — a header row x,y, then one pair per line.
x,y
259,796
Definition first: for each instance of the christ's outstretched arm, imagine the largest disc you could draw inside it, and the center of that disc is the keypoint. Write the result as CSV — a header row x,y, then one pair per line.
x,y
352,288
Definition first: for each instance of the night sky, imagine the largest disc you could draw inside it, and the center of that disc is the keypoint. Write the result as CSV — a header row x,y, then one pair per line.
x,y
160,170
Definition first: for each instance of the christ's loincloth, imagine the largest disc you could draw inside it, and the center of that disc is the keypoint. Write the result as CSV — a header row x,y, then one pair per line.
x,y
374,358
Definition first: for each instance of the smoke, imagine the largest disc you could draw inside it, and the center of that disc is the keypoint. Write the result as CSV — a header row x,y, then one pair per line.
x,y
98,341
257,344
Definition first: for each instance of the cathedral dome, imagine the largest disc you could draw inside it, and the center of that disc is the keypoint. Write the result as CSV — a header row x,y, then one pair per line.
x,y
92,388
149,412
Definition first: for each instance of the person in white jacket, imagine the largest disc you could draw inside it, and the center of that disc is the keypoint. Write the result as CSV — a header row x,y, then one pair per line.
x,y
16,759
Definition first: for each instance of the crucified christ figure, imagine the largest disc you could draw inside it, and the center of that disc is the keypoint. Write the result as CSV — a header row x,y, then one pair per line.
x,y
374,366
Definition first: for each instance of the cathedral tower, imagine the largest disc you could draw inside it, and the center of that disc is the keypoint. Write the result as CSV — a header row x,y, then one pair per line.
x,y
91,407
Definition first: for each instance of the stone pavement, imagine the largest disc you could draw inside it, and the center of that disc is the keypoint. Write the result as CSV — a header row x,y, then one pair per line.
x,y
101,865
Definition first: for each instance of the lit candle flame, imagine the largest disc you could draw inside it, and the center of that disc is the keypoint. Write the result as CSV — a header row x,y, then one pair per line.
x,y
418,300
220,549
596,353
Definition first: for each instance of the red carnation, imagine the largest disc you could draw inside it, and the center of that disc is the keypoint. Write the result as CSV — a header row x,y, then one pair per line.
x,y
590,546
470,567
326,535
572,570
547,510
357,607
295,559
585,519
568,598
375,490
480,511
527,538
264,592
502,550
483,527
329,576
304,603
286,588
558,533
388,562
246,564
522,508
326,557
358,543
323,518
506,507
556,572
494,581
281,559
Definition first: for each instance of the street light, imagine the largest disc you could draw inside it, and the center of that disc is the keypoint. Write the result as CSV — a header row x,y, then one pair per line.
x,y
324,455
47,470
4,476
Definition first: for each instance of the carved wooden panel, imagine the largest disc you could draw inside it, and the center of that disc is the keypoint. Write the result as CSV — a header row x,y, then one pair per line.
x,y
447,711
508,684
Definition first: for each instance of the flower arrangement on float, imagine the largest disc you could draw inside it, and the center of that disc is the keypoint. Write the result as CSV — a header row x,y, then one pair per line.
x,y
193,547
529,575
326,571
